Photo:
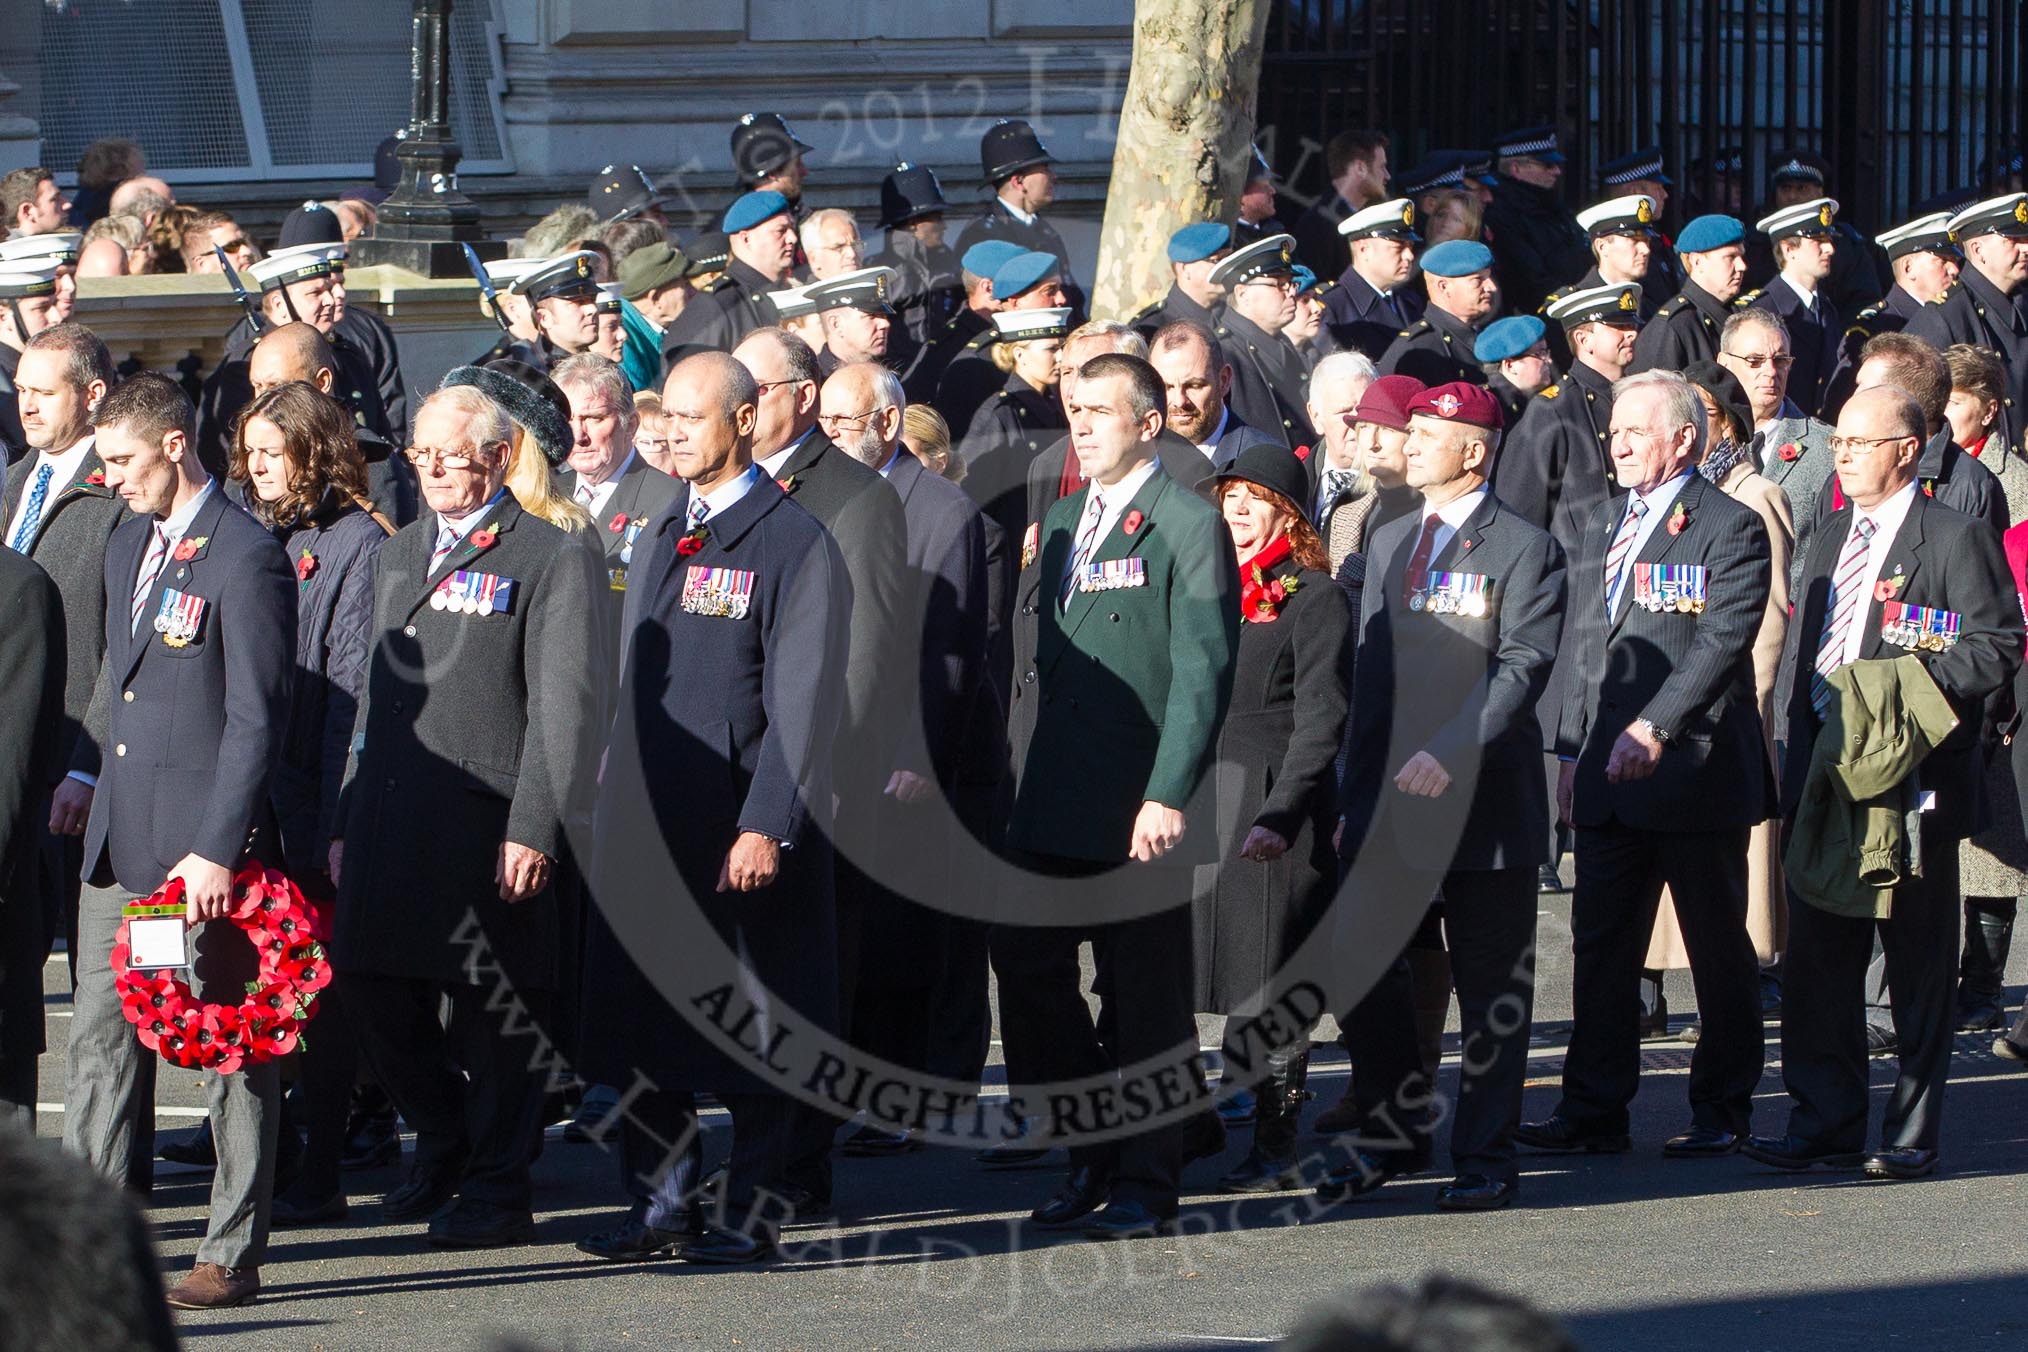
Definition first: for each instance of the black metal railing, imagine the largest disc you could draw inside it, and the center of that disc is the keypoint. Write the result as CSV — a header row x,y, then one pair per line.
x,y
1906,99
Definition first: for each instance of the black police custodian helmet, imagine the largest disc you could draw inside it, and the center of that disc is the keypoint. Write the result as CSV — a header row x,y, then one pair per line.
x,y
1009,146
762,144
910,193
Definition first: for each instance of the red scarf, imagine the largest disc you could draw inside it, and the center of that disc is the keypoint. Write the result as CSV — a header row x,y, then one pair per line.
x,y
1261,594
1978,446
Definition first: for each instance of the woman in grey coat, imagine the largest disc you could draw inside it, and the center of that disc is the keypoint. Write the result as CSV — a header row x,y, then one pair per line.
x,y
298,461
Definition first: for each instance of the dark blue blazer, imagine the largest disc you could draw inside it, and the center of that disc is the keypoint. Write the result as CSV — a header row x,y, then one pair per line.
x,y
725,724
947,624
191,734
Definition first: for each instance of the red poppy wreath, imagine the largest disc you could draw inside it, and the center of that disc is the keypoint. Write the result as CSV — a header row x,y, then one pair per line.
x,y
286,931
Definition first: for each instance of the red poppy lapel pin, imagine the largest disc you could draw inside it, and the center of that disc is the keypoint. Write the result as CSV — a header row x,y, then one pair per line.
x,y
483,537
305,565
1788,450
1678,519
1133,521
787,484
618,523
692,541
96,479
189,547
1888,588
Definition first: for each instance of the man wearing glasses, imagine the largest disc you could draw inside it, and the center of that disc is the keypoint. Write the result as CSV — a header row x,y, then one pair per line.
x,y
1269,381
1792,447
1893,575
485,629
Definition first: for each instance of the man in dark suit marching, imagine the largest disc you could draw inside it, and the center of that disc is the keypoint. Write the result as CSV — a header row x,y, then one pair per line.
x,y
1444,781
191,712
60,513
1664,771
903,946
1893,575
620,490
1137,631
476,740
716,799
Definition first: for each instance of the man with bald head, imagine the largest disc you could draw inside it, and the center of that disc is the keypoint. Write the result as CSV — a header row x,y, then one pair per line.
x,y
891,972
1894,574
720,764
299,352
144,196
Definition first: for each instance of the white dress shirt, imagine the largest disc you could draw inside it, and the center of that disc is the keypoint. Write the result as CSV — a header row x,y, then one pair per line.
x,y
64,467
771,465
460,526
1809,298
722,498
1116,500
1886,519
1453,515
176,524
1025,217
602,493
1659,499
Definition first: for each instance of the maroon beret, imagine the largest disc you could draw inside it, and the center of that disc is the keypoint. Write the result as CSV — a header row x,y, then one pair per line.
x,y
1459,402
1387,401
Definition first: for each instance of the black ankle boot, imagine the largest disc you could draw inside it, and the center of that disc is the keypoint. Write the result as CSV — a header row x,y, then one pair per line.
x,y
1989,934
1270,1166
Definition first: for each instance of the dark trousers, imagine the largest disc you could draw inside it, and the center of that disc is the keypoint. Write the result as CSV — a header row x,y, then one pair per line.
x,y
1143,981
472,1090
662,1158
960,1011
1489,930
1824,1062
1620,875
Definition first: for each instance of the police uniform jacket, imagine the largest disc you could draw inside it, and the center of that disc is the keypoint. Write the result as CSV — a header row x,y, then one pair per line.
x,y
1463,688
946,342
717,318
928,290
192,729
1436,349
1036,236
1276,767
1555,466
1366,321
78,520
1270,385
1949,562
1682,332
1690,674
1814,335
1133,682
1537,243
1970,310
474,729
333,552
726,723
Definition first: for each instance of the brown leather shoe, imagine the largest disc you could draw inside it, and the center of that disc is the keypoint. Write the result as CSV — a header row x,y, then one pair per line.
x,y
211,1287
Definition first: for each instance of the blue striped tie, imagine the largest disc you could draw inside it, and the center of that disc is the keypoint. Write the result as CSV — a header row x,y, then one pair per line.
x,y
38,493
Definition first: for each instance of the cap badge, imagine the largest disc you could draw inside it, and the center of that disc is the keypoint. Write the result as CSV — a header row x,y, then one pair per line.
x,y
1627,300
1408,213
1643,212
2021,211
583,266
1447,404
1824,214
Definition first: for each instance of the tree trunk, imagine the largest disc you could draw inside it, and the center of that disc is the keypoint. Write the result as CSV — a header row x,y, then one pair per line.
x,y
1186,132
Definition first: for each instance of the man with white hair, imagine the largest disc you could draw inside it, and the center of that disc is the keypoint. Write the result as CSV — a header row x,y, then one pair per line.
x,y
1664,771
832,244
1336,477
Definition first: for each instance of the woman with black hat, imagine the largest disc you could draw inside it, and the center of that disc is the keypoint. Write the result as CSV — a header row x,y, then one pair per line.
x,y
1728,462
1277,792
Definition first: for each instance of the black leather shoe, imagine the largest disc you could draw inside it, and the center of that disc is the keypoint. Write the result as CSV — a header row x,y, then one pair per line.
x,y
803,1206
194,1148
1795,1155
285,1213
1009,1155
423,1193
633,1242
1692,1033
727,1248
1897,1165
1344,1115
1262,1172
1083,1193
1366,1173
1548,880
1881,1041
1561,1136
1128,1220
1655,1022
481,1225
374,1141
1980,1014
1700,1143
871,1142
1474,1192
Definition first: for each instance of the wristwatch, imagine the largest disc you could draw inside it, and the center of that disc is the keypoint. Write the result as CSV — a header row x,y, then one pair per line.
x,y
1653,730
